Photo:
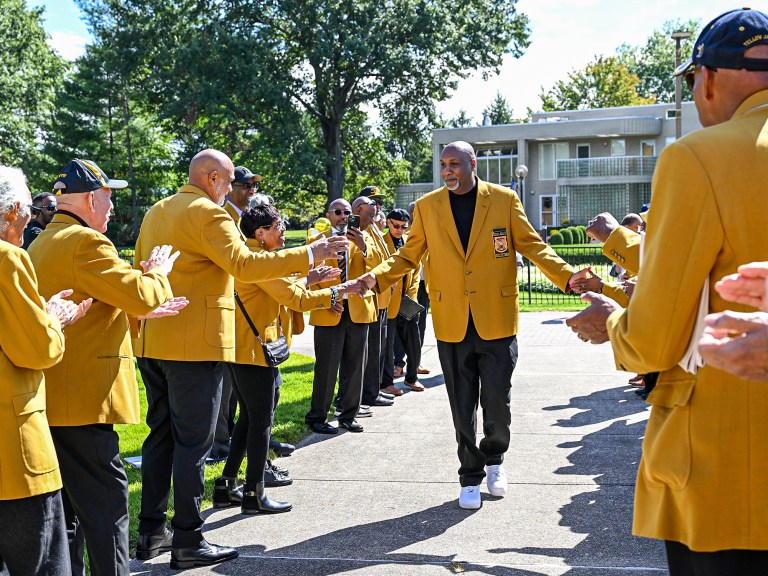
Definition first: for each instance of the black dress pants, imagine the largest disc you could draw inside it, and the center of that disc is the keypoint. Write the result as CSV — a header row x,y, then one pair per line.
x,y
374,365
183,405
33,540
422,298
95,497
479,370
256,386
344,343
225,422
683,561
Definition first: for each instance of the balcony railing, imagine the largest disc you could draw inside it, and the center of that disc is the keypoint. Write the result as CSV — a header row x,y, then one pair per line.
x,y
602,167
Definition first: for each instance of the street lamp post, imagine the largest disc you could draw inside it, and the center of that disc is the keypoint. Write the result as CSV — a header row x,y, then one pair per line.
x,y
678,37
521,172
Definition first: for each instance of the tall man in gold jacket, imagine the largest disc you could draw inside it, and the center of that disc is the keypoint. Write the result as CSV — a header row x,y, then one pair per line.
x,y
471,229
33,538
181,358
701,483
94,386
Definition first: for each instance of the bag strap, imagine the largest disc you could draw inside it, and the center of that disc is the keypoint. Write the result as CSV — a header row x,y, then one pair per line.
x,y
250,322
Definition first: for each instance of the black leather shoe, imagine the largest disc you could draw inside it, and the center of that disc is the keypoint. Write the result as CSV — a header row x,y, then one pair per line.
x,y
150,545
204,554
322,428
275,476
281,448
381,401
226,492
351,425
256,502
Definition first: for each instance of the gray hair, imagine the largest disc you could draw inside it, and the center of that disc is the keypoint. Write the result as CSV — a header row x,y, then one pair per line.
x,y
13,190
260,199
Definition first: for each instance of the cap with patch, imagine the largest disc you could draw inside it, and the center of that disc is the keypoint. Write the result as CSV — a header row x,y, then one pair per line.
x,y
398,214
84,176
723,41
372,192
243,175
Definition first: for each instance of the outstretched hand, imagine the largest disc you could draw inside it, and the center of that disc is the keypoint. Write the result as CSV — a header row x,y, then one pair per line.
x,y
748,286
160,257
170,308
66,311
590,323
324,248
585,281
322,274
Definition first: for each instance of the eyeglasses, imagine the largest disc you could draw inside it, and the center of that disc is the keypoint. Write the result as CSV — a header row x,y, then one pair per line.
x,y
50,207
247,185
340,212
398,226
278,224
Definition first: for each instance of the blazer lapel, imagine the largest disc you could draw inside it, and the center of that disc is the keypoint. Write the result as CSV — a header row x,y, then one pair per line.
x,y
444,210
481,211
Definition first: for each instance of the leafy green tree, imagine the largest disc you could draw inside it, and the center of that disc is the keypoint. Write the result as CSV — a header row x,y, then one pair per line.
x,y
220,66
654,61
461,120
30,72
604,83
499,112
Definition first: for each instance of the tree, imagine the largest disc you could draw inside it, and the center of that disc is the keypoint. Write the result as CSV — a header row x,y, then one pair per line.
x,y
325,58
499,112
604,83
30,72
461,120
653,63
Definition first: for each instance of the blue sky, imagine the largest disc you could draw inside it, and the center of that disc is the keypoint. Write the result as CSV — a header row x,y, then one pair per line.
x,y
566,35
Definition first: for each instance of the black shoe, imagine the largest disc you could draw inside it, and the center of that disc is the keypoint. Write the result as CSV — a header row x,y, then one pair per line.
x,y
204,554
275,476
256,502
150,545
381,401
226,492
351,425
281,448
322,428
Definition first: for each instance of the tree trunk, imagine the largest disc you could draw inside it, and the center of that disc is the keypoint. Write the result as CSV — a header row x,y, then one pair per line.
x,y
334,167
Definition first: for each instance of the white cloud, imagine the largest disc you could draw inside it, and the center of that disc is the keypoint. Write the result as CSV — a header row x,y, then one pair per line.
x,y
68,45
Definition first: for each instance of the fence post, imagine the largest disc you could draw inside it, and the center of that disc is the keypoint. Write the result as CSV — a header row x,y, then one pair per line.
x,y
529,280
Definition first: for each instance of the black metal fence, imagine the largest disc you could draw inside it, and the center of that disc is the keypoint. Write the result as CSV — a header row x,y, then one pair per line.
x,y
537,290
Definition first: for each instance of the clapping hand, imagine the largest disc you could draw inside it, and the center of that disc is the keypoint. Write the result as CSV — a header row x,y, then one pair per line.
x,y
160,257
324,248
66,311
748,286
170,308
738,343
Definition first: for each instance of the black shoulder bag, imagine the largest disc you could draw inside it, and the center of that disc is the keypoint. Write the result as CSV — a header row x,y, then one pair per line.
x,y
274,352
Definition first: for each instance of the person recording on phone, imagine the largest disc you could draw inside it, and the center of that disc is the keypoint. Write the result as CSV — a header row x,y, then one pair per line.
x,y
43,208
341,332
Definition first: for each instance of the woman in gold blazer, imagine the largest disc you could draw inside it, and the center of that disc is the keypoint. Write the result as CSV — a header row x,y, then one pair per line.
x,y
267,303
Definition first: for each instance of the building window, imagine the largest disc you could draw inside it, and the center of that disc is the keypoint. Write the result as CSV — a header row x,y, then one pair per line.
x,y
549,154
497,165
546,211
582,151
618,147
648,148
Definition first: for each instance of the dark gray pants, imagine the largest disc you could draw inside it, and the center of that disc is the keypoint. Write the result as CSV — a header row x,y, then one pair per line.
x,y
95,497
344,343
33,540
183,404
374,365
423,299
225,421
477,369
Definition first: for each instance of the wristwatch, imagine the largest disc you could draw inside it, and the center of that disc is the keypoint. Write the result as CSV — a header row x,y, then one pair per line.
x,y
334,295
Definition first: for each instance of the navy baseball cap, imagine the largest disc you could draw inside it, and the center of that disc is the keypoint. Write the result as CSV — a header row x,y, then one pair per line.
x,y
243,175
398,214
84,176
723,41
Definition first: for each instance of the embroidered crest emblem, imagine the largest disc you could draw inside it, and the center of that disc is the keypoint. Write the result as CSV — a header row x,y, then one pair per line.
x,y
500,244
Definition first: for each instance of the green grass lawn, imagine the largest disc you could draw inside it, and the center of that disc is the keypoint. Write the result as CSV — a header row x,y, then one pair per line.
x,y
289,427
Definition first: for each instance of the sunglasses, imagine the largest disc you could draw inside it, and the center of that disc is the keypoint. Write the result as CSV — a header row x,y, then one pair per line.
x,y
247,185
689,78
398,226
49,207
340,212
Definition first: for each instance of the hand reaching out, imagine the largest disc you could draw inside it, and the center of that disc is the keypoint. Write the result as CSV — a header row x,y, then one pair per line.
x,y
170,308
160,257
748,286
590,323
322,274
66,311
738,343
323,247
586,281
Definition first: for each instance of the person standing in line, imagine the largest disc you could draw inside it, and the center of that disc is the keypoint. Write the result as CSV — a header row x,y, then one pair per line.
x,y
471,229
43,208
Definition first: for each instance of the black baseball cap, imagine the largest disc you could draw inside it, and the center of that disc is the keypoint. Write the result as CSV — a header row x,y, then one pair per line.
x,y
398,214
84,176
723,41
243,175
373,193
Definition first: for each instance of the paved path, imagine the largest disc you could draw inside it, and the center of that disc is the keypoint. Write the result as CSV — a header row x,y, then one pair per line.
x,y
384,503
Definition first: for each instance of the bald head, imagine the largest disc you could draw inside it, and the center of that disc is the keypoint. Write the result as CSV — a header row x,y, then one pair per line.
x,y
366,209
213,172
462,148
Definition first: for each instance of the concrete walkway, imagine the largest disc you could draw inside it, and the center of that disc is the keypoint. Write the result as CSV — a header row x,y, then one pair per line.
x,y
384,502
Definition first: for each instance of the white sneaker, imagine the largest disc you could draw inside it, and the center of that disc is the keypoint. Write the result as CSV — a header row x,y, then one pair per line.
x,y
496,480
469,498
